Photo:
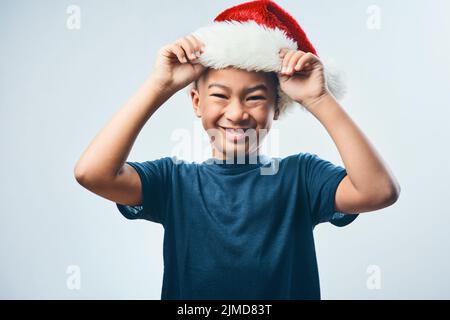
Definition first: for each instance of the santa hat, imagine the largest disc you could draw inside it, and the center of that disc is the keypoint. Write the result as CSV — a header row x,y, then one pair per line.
x,y
250,35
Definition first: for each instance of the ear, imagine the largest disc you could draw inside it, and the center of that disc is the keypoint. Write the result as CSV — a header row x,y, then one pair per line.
x,y
195,96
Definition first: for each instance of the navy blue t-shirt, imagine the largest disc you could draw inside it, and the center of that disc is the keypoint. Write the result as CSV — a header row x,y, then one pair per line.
x,y
239,231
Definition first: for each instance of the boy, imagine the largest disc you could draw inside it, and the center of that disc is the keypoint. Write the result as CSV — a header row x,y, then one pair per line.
x,y
230,231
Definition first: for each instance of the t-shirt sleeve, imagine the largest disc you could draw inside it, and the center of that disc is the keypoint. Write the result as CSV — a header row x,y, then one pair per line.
x,y
322,179
155,178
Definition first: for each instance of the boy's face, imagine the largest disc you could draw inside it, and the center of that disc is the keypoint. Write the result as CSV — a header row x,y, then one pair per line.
x,y
237,108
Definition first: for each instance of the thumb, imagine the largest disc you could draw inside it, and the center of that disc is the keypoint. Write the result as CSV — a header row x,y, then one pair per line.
x,y
283,52
282,77
198,69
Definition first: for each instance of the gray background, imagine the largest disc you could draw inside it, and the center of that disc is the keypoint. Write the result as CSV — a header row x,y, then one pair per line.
x,y
59,87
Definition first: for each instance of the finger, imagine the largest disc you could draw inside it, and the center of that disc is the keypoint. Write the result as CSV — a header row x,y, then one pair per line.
x,y
283,52
293,61
179,52
307,58
179,44
188,48
286,59
198,45
194,46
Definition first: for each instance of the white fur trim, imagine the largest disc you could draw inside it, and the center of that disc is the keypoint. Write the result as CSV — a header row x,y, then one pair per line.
x,y
250,46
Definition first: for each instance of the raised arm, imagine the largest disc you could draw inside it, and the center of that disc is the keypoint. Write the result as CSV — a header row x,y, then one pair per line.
x,y
369,184
101,168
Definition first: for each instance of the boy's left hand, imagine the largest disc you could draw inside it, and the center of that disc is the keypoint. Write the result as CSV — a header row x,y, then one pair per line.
x,y
304,80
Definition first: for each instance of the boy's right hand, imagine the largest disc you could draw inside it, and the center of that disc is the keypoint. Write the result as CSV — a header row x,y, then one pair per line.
x,y
175,66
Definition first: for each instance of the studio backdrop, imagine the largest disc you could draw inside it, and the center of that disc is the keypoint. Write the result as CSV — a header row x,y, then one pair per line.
x,y
67,67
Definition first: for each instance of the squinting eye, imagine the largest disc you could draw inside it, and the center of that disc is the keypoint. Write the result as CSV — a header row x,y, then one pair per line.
x,y
257,97
219,96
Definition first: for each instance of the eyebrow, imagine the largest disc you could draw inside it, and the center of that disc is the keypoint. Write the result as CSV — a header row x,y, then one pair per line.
x,y
247,90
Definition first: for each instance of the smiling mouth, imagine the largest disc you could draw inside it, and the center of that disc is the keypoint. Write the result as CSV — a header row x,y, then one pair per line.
x,y
234,129
234,134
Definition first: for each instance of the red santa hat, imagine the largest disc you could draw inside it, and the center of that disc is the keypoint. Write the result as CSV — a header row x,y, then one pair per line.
x,y
250,35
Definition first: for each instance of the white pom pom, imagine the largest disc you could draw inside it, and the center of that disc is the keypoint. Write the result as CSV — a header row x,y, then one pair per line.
x,y
335,79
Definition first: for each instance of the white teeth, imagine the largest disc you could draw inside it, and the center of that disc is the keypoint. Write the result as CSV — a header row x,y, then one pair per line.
x,y
236,130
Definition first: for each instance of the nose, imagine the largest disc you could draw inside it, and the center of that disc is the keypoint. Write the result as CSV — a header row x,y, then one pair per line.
x,y
235,112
